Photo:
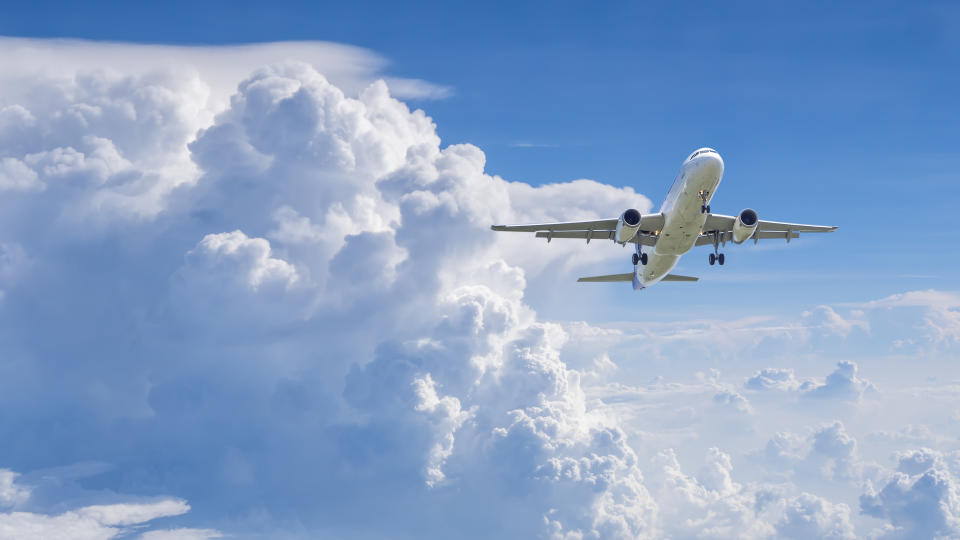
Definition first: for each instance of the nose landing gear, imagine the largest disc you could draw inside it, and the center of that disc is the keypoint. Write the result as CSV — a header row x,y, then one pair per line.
x,y
704,208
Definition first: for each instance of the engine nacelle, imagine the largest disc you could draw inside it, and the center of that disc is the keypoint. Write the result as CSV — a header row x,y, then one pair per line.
x,y
745,226
627,226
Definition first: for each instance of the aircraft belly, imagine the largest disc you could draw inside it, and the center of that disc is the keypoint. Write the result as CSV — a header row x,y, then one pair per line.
x,y
657,266
685,221
682,228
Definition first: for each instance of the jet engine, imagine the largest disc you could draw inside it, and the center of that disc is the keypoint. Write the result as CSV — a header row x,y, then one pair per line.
x,y
627,226
745,226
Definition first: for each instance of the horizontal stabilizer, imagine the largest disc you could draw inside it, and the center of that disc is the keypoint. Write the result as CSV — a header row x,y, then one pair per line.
x,y
611,277
629,277
675,277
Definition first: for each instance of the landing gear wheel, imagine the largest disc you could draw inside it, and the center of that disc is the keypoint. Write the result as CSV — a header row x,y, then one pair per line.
x,y
703,209
720,259
708,208
636,259
713,259
643,259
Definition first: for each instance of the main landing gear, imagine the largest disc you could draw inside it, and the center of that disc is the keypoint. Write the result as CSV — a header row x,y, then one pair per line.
x,y
704,208
716,256
639,256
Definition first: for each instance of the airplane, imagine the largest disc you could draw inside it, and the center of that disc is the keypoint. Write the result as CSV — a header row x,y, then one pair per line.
x,y
684,221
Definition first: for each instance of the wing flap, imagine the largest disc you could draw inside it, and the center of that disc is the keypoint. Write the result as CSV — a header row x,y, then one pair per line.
x,y
641,238
707,239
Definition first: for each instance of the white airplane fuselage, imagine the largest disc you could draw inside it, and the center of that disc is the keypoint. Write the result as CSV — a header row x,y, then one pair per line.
x,y
684,218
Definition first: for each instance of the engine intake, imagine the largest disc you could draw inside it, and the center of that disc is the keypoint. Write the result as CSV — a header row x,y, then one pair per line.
x,y
627,226
745,226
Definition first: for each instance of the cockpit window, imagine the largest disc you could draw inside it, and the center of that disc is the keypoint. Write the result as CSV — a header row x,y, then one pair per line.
x,y
704,151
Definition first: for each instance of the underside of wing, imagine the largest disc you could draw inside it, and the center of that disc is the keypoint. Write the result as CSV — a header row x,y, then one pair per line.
x,y
777,226
722,223
596,225
724,237
644,239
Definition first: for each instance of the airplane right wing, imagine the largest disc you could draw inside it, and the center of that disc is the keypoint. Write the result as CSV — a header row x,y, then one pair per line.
x,y
650,225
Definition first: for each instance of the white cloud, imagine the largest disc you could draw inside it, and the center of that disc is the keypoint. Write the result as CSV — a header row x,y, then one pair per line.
x,y
11,493
91,522
251,256
732,400
809,516
843,383
773,379
920,500
16,175
446,414
832,322
713,505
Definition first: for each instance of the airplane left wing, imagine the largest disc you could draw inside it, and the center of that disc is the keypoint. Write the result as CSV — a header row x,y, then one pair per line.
x,y
721,223
719,228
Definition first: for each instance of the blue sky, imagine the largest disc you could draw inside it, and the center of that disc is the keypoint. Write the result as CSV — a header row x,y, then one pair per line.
x,y
252,291
824,113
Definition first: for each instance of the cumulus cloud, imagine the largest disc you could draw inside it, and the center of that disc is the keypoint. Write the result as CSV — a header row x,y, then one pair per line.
x,y
712,505
920,500
825,452
842,384
809,516
253,265
732,400
773,379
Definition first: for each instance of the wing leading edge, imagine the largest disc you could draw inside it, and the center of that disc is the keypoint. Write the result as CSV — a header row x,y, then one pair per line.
x,y
722,223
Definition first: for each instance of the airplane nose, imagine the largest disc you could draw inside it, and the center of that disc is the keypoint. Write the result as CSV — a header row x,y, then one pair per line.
x,y
711,164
